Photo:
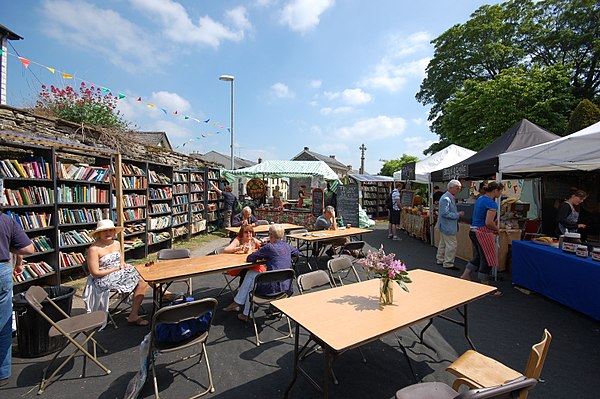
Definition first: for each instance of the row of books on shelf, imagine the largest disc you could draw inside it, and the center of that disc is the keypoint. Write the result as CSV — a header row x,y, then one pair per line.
x,y
133,182
32,271
198,207
158,178
100,174
180,199
42,244
160,222
132,243
129,169
160,208
180,219
24,196
197,226
160,193
74,237
213,196
181,231
90,194
154,238
182,208
213,174
197,197
180,189
134,214
31,220
131,200
38,168
135,228
71,259
195,187
197,177
73,216
180,177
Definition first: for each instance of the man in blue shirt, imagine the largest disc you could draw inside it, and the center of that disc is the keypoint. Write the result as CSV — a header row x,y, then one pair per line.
x,y
448,225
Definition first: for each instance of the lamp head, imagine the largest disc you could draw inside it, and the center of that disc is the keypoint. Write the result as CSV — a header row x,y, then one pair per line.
x,y
227,78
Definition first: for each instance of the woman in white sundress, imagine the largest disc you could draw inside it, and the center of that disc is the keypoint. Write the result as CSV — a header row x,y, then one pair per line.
x,y
110,272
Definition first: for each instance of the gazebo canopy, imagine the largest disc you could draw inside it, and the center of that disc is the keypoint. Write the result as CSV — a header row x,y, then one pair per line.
x,y
371,178
284,169
441,159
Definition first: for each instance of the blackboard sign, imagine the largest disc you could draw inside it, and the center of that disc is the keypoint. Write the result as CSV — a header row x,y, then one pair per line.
x,y
317,202
455,172
407,197
347,202
408,171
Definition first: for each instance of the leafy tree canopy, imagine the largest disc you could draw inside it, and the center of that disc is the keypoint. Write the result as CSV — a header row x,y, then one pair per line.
x,y
586,114
394,165
512,44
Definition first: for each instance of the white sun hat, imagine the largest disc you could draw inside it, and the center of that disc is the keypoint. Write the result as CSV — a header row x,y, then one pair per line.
x,y
103,225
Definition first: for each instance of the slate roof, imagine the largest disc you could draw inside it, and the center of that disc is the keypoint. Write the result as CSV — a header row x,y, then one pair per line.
x,y
217,157
159,139
307,155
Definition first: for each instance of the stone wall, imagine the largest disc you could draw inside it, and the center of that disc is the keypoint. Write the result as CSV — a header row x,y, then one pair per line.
x,y
14,120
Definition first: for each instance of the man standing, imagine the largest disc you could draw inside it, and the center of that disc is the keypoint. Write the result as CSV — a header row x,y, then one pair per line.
x,y
395,212
448,226
12,239
228,202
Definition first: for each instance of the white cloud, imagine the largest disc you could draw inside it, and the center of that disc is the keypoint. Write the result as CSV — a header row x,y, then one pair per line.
x,y
281,90
304,15
315,84
103,32
334,111
170,101
331,95
263,3
393,71
418,121
177,134
356,97
415,145
379,127
179,27
332,148
393,77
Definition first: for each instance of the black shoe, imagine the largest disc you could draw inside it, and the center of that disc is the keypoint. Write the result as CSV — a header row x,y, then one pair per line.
x,y
329,253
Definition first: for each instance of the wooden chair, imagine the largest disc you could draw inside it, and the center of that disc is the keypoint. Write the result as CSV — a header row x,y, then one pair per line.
x,y
438,390
258,300
70,328
341,267
174,315
176,253
477,371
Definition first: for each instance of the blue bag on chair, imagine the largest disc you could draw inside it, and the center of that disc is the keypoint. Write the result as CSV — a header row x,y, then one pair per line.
x,y
177,332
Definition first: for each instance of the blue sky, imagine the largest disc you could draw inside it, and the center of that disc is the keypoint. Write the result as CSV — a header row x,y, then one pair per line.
x,y
325,74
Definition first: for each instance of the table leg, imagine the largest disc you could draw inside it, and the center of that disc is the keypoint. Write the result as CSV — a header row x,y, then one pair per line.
x,y
296,360
466,325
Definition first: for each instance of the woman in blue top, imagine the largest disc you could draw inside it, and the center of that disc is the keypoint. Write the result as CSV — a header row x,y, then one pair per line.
x,y
484,228
278,255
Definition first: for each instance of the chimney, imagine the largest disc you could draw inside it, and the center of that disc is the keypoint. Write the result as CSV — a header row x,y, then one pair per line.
x,y
349,167
332,156
306,148
259,160
5,36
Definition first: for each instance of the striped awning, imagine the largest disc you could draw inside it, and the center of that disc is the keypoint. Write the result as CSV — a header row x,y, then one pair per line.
x,y
284,169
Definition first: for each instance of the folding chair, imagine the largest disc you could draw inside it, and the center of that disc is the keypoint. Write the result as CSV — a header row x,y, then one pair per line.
x,y
177,253
312,280
176,314
258,300
341,267
262,222
351,248
302,246
229,279
70,328
477,371
438,390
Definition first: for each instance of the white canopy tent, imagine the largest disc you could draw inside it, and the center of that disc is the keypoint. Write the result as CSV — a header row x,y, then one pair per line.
x,y
577,151
449,156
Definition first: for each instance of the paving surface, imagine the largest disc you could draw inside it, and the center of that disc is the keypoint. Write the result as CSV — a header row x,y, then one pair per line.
x,y
504,328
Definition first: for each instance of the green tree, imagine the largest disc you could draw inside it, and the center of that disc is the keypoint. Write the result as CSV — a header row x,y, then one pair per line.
x,y
394,165
514,35
90,106
585,114
483,110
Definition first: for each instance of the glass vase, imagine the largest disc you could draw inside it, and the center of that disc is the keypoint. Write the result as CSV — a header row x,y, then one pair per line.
x,y
386,291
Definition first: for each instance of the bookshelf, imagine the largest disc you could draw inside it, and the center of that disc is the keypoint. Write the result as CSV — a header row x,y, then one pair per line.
x,y
181,205
160,201
83,193
374,199
213,203
27,175
197,202
135,207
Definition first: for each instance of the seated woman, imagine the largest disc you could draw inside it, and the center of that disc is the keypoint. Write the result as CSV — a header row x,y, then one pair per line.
x,y
278,255
244,242
110,272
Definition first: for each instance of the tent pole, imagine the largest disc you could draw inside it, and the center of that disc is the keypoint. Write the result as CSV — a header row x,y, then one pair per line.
x,y
431,210
498,201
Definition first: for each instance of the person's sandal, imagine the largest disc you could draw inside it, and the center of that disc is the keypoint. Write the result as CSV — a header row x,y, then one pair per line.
x,y
233,307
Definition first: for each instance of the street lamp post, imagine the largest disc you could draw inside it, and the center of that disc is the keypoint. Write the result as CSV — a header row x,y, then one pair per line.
x,y
230,78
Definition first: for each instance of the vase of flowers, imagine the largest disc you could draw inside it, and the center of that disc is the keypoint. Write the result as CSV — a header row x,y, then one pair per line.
x,y
389,270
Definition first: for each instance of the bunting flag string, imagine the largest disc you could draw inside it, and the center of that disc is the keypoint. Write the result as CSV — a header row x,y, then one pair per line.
x,y
27,63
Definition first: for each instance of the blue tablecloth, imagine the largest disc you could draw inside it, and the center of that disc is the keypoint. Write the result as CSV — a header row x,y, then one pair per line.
x,y
564,277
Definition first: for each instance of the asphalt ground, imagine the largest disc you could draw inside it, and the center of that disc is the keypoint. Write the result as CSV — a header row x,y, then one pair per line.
x,y
501,327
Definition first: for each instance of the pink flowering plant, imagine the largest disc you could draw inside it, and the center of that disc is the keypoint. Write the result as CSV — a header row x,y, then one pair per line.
x,y
386,267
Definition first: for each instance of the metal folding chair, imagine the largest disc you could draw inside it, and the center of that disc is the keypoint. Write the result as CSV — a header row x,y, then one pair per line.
x,y
177,253
176,314
438,390
264,301
341,267
70,328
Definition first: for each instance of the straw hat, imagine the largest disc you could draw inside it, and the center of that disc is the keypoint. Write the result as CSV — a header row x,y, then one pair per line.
x,y
103,225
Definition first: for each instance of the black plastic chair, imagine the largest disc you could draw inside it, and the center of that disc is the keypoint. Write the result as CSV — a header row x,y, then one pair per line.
x,y
176,314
